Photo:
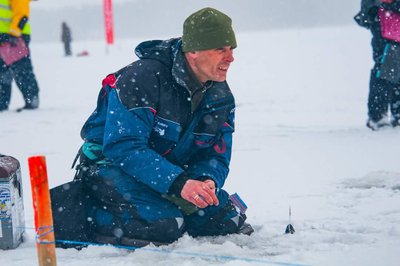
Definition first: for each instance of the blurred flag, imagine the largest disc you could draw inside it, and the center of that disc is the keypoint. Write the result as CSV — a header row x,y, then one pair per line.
x,y
108,21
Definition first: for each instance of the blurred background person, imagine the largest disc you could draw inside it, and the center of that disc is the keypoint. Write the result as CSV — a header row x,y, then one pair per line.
x,y
384,94
66,38
14,16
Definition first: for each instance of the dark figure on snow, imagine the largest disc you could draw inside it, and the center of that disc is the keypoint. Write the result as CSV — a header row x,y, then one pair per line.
x,y
66,38
384,92
15,33
157,148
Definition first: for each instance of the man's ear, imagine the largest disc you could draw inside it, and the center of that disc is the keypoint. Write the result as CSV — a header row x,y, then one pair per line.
x,y
191,55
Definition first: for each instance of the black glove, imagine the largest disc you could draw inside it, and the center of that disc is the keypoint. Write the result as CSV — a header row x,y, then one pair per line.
x,y
174,195
4,38
363,20
12,40
177,185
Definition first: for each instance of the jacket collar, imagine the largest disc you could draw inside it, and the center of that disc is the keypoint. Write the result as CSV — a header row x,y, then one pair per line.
x,y
185,77
183,74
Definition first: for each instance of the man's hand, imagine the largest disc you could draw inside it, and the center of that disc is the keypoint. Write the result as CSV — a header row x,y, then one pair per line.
x,y
201,194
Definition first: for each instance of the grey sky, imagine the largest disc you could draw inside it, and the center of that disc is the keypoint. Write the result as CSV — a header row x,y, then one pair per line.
x,y
144,18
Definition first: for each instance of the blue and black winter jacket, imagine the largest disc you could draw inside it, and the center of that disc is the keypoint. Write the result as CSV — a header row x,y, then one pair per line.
x,y
156,122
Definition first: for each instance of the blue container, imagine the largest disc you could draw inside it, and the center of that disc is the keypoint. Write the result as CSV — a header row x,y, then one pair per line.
x,y
12,222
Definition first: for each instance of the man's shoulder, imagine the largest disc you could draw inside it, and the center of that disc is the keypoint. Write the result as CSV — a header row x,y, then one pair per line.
x,y
136,82
144,68
221,89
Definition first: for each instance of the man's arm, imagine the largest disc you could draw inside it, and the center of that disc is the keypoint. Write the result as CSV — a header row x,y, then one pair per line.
x,y
209,168
213,162
208,163
128,127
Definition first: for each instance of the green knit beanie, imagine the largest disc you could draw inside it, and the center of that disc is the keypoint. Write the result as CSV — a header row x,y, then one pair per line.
x,y
207,29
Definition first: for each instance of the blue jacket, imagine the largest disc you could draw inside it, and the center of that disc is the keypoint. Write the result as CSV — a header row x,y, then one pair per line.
x,y
156,122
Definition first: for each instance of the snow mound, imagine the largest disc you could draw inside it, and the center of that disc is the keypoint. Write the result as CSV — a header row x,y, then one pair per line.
x,y
377,179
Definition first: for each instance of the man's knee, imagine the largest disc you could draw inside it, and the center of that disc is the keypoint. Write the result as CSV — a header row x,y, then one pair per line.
x,y
162,230
227,220
166,230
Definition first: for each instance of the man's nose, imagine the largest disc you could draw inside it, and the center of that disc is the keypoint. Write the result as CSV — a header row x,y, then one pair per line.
x,y
229,56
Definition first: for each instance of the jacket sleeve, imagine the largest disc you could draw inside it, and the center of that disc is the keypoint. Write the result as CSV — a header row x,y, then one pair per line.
x,y
20,11
129,122
213,160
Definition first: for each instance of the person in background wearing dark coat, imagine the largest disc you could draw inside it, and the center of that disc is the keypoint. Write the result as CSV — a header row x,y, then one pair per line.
x,y
384,95
66,38
157,148
14,26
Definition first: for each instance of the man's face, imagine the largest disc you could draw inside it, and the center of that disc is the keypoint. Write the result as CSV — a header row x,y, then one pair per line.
x,y
211,64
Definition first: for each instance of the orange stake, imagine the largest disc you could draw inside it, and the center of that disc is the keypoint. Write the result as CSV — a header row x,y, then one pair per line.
x,y
45,241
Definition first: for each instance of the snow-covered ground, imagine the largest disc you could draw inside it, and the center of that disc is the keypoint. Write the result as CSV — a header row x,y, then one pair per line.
x,y
300,141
